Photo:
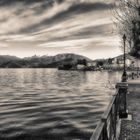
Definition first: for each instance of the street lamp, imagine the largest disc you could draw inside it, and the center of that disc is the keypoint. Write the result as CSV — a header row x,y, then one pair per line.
x,y
124,76
123,89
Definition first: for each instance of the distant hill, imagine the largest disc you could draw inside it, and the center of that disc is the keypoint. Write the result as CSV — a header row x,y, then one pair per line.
x,y
45,61
7,58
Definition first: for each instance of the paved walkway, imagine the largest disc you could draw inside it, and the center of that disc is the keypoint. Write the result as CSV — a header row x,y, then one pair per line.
x,y
130,129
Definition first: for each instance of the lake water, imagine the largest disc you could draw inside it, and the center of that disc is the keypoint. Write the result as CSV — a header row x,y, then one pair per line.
x,y
47,104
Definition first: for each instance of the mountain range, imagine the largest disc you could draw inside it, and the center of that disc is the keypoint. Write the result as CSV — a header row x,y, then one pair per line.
x,y
45,61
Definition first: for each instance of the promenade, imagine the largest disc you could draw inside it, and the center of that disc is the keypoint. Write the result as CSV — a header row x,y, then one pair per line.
x,y
130,127
114,123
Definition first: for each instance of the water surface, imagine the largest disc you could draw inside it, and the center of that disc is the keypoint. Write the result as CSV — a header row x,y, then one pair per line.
x,y
47,104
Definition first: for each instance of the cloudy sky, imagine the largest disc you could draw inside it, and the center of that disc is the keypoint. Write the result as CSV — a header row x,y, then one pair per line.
x,y
49,27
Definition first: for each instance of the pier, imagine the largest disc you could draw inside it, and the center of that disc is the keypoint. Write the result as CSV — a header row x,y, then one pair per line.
x,y
121,121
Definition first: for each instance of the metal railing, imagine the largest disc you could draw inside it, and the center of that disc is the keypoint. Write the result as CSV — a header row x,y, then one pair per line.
x,y
107,127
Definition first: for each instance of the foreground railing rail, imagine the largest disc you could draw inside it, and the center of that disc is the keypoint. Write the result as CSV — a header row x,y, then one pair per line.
x,y
107,127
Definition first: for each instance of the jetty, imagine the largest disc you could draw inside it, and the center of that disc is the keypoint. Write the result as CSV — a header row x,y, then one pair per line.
x,y
121,120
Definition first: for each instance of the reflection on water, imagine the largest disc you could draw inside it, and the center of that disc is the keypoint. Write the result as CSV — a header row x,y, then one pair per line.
x,y
47,104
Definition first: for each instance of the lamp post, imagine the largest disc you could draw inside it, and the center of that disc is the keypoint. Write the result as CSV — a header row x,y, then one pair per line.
x,y
123,88
124,76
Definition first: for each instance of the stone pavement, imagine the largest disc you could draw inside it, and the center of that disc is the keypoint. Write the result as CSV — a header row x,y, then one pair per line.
x,y
130,129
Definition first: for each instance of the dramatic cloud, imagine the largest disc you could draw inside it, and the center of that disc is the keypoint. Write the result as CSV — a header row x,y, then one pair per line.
x,y
56,26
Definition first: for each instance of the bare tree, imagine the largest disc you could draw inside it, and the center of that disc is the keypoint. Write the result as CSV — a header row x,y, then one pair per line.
x,y
127,14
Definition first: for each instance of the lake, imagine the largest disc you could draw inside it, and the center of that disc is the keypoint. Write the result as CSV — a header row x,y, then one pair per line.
x,y
47,104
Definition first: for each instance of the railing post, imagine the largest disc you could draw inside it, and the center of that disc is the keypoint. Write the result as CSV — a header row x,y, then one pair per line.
x,y
122,89
105,134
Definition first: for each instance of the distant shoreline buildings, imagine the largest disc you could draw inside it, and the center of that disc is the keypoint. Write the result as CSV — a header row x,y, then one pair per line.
x,y
116,63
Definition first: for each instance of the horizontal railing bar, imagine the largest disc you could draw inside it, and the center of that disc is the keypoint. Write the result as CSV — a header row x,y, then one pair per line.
x,y
107,112
98,130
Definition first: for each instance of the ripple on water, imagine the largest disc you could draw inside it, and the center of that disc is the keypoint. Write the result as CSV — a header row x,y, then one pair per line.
x,y
44,104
